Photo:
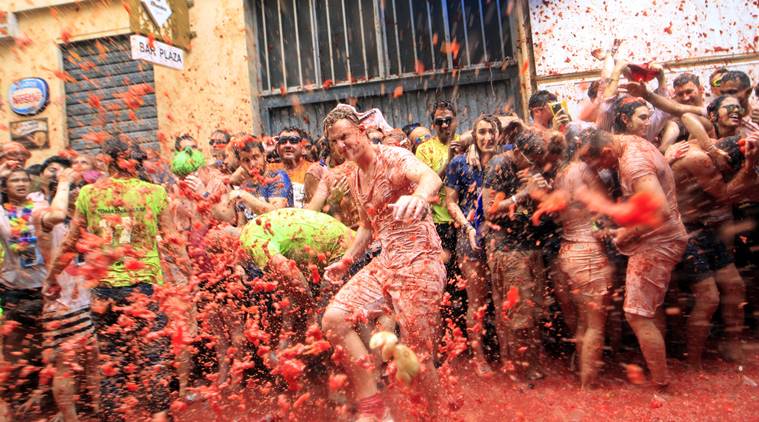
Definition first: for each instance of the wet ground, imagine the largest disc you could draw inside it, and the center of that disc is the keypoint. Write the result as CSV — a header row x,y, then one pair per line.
x,y
722,391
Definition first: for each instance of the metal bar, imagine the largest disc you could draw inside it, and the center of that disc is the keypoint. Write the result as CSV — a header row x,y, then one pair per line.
x,y
466,36
447,32
380,34
297,42
329,37
266,43
500,28
282,42
363,40
482,30
429,29
413,31
315,42
397,41
347,47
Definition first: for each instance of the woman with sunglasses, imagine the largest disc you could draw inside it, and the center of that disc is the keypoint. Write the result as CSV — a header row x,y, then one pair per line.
x,y
463,186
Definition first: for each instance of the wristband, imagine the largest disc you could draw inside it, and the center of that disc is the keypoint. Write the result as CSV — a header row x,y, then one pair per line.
x,y
514,199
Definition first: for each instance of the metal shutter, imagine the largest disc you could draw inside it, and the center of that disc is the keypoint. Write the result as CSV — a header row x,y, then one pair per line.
x,y
108,92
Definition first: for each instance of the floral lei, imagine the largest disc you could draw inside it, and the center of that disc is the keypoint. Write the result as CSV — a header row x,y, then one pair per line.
x,y
22,240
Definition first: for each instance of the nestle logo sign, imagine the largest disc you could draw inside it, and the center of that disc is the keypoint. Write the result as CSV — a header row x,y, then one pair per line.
x,y
28,96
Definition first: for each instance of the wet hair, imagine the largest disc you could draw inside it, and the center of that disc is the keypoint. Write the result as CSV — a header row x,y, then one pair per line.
x,y
410,127
246,143
593,89
530,142
442,104
744,82
625,106
718,72
539,99
339,113
34,169
684,78
179,139
735,157
226,134
713,108
117,149
594,140
55,159
302,133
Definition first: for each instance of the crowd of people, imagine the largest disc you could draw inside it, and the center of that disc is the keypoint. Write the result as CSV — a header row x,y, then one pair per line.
x,y
133,285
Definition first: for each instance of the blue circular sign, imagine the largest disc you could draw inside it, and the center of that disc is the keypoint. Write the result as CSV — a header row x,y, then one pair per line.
x,y
28,96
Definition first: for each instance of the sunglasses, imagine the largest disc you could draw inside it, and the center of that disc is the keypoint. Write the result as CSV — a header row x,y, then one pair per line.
x,y
292,140
420,139
734,107
443,121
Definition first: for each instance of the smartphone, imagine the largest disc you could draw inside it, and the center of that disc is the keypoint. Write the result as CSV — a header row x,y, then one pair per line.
x,y
558,107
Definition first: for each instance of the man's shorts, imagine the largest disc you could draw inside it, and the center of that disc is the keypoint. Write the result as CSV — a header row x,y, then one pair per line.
x,y
648,276
521,269
586,267
705,254
412,292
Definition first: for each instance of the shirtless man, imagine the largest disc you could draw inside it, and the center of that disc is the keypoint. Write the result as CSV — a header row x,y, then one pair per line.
x,y
705,201
652,250
408,277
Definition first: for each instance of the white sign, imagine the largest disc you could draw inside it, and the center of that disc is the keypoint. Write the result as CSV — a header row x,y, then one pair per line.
x,y
159,10
157,52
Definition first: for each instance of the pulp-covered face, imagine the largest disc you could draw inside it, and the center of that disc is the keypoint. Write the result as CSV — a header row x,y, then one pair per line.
x,y
188,142
290,145
81,164
639,121
348,139
486,136
730,113
253,161
445,124
18,184
542,115
690,94
733,88
50,171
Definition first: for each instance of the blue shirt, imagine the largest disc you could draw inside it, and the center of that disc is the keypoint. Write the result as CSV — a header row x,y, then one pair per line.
x,y
276,184
467,182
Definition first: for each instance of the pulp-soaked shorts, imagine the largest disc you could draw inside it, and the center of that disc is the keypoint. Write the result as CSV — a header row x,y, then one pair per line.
x,y
522,269
586,267
648,274
412,292
705,254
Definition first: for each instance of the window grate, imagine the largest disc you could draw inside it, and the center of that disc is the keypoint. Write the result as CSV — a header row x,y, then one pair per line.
x,y
353,41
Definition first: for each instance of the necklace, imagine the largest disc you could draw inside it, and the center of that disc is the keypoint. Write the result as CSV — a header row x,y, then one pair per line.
x,y
22,240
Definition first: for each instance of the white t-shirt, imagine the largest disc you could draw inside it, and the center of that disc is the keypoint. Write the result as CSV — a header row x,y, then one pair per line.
x,y
74,293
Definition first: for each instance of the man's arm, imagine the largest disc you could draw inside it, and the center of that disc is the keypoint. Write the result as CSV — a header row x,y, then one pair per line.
x,y
669,135
638,89
650,184
696,126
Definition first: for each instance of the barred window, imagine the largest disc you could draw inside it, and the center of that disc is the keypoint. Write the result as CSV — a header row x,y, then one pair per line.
x,y
307,44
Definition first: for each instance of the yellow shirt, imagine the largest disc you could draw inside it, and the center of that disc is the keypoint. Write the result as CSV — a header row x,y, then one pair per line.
x,y
434,154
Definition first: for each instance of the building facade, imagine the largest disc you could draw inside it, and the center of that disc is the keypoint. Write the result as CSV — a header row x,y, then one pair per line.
x,y
261,65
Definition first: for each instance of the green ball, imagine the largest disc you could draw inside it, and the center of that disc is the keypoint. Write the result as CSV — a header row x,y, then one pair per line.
x,y
187,161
